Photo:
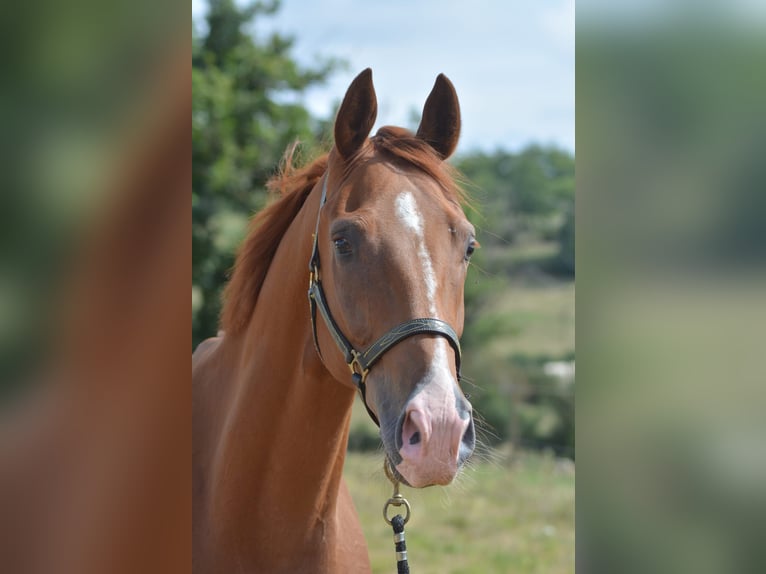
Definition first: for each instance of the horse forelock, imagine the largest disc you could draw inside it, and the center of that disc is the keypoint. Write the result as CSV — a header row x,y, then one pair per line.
x,y
403,145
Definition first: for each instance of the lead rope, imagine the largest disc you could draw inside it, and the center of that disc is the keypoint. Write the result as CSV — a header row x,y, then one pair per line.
x,y
397,522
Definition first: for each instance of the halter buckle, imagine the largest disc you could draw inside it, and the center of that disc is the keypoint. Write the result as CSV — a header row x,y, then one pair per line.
x,y
355,366
313,276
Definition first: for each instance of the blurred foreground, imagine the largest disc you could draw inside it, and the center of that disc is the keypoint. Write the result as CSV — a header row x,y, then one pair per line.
x,y
94,393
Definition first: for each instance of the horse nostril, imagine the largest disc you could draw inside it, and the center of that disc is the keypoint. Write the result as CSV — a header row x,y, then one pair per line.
x,y
414,429
469,438
462,405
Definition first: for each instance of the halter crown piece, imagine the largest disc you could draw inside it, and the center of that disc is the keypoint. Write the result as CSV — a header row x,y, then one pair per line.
x,y
358,362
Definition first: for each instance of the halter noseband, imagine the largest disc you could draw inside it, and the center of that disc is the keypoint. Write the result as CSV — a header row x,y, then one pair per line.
x,y
358,362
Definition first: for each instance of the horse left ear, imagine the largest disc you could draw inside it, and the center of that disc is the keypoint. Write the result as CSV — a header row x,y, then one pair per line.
x,y
356,115
440,124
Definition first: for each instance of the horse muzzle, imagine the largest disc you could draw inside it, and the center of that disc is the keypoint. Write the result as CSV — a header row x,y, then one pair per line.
x,y
435,436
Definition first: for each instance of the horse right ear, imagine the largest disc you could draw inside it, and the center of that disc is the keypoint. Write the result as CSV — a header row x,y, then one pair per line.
x,y
440,124
356,115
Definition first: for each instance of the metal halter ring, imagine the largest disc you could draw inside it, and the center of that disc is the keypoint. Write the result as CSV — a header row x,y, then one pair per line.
x,y
396,500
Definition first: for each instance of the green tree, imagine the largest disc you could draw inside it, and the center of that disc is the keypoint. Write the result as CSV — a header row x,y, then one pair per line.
x,y
525,222
521,192
245,111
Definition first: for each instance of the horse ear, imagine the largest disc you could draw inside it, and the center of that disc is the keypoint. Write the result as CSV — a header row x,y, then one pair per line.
x,y
440,124
356,115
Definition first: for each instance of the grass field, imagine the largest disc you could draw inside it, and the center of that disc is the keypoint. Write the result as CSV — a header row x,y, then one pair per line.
x,y
500,517
543,319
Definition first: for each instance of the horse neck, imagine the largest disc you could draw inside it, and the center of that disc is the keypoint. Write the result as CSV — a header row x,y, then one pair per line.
x,y
283,443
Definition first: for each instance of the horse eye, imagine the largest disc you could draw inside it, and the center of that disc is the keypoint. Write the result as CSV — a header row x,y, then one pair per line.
x,y
470,249
342,246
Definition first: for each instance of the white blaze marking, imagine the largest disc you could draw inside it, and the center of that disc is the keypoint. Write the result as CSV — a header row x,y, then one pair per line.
x,y
407,210
408,213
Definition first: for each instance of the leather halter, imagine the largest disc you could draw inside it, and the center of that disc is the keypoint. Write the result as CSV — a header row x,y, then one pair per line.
x,y
358,362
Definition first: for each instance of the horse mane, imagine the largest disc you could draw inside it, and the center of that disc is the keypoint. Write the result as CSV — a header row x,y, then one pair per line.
x,y
293,187
264,235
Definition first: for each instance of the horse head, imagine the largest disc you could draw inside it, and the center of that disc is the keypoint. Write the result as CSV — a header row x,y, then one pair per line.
x,y
394,246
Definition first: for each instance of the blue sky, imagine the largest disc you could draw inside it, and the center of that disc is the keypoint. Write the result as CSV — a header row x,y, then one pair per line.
x,y
512,63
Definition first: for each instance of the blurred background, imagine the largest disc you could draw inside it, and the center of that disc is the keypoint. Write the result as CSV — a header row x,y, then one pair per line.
x,y
268,73
670,253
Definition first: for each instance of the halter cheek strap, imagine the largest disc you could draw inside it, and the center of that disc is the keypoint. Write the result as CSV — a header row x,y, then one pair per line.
x,y
358,362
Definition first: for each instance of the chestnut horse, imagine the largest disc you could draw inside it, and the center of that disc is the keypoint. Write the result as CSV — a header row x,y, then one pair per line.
x,y
380,225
